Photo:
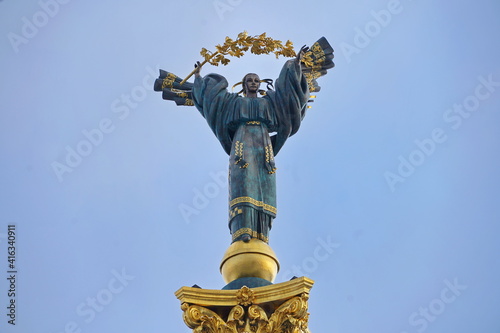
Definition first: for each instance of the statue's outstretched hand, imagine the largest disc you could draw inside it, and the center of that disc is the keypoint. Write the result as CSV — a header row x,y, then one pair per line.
x,y
197,67
302,51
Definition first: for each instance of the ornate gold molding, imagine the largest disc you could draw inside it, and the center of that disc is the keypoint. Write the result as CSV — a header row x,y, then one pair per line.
x,y
215,297
270,309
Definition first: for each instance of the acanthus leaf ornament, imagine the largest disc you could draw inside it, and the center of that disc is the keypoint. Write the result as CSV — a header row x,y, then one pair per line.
x,y
289,317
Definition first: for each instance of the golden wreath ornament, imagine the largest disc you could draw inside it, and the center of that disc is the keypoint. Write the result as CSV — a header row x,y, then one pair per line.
x,y
258,44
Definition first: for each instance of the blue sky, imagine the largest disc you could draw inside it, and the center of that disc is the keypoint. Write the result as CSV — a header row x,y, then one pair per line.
x,y
388,195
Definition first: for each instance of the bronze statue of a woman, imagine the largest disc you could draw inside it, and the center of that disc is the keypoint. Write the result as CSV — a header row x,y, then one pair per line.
x,y
253,129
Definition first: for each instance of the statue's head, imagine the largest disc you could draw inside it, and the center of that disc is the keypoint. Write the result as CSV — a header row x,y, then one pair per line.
x,y
251,84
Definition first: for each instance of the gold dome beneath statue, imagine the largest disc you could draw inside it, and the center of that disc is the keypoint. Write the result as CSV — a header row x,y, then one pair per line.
x,y
253,259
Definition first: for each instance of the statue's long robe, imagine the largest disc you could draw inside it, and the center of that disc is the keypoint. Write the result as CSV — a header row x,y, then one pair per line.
x,y
242,126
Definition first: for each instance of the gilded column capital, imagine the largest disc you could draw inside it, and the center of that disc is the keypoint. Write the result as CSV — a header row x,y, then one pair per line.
x,y
247,313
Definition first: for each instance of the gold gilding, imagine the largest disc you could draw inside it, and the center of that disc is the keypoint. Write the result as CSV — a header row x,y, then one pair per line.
x,y
252,259
216,297
252,233
253,202
278,308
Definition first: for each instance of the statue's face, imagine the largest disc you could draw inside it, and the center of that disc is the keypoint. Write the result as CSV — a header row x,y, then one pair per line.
x,y
252,83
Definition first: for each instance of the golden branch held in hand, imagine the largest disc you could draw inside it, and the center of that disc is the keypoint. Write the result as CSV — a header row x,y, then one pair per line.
x,y
259,44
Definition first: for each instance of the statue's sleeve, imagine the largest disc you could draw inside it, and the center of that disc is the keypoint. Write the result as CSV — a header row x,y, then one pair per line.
x,y
214,102
289,101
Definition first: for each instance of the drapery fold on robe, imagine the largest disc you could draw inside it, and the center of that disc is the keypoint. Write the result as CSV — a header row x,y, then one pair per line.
x,y
170,86
321,55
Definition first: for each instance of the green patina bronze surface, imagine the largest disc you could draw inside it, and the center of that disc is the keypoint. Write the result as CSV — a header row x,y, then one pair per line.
x,y
243,125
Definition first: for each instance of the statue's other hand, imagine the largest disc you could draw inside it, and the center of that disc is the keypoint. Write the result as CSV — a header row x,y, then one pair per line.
x,y
197,67
302,51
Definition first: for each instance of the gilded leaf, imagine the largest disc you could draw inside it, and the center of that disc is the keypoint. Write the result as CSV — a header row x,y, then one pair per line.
x,y
243,35
204,52
238,53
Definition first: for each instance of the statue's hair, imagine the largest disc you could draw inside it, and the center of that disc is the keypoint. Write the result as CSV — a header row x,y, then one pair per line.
x,y
261,91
